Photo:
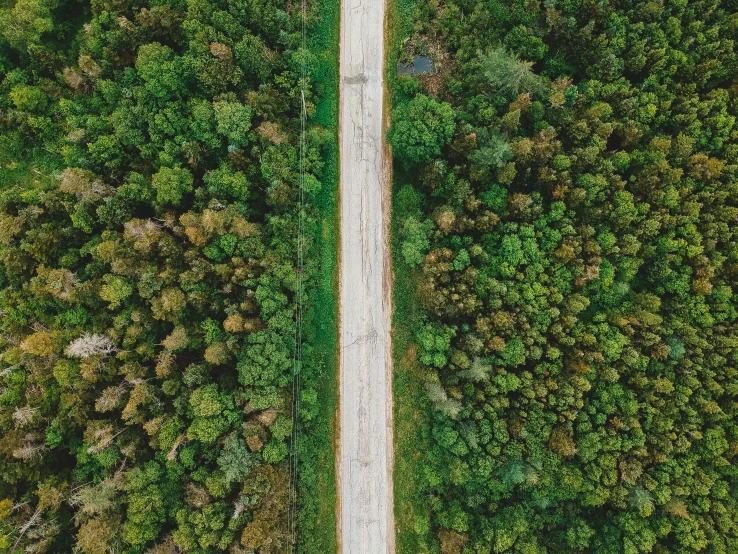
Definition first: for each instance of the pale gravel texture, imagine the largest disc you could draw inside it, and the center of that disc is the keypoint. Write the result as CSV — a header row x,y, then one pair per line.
x,y
366,522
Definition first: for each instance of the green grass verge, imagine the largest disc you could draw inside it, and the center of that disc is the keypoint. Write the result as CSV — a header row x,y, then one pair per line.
x,y
411,410
412,423
317,477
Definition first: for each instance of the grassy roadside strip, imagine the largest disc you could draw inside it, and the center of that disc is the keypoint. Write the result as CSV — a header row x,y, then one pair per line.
x,y
317,477
412,423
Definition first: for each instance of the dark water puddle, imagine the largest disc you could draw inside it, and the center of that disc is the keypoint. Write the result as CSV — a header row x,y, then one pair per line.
x,y
421,64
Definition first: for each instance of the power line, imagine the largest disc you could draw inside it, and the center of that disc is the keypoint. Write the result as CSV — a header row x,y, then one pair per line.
x,y
297,364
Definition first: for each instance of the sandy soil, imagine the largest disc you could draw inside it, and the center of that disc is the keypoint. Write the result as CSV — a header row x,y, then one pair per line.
x,y
366,522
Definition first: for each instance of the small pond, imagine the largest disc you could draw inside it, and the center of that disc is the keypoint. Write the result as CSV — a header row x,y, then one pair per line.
x,y
421,64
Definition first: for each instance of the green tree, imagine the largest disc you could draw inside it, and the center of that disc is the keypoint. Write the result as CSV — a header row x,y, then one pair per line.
x,y
225,183
234,122
25,23
435,345
235,460
415,241
115,290
510,75
171,184
28,98
420,129
163,73
495,153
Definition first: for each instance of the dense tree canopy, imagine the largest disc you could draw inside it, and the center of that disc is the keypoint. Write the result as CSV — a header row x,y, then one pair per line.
x,y
573,249
148,201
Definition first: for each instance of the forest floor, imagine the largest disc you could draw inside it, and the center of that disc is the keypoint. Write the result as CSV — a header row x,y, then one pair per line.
x,y
366,520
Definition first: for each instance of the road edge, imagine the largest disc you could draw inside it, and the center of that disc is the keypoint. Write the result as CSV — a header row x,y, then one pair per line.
x,y
387,285
339,292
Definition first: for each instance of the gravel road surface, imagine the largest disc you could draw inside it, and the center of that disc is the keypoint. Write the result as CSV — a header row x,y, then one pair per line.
x,y
366,523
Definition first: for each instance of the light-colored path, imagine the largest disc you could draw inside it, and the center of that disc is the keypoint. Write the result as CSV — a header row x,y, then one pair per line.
x,y
366,522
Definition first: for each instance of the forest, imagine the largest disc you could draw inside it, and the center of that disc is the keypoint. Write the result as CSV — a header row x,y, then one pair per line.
x,y
565,215
149,209
565,207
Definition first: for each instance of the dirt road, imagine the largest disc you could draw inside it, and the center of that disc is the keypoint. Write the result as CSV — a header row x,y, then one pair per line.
x,y
366,522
